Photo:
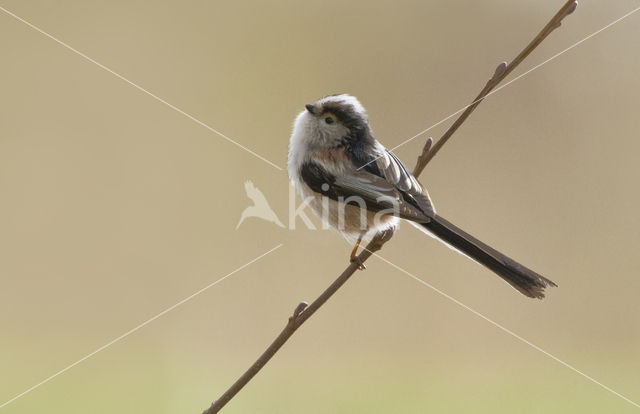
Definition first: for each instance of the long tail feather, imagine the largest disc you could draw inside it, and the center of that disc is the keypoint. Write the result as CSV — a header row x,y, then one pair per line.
x,y
524,280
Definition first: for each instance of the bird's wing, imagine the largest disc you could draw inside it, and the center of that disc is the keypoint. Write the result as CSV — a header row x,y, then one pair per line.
x,y
377,192
388,166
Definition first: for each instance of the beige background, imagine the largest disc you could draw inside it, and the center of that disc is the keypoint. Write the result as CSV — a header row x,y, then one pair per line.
x,y
115,207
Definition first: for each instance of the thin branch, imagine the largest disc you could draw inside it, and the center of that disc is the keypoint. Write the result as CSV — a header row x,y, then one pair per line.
x,y
501,72
303,312
422,158
300,315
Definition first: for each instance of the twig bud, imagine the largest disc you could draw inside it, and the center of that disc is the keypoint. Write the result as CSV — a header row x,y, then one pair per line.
x,y
500,70
427,145
301,306
571,9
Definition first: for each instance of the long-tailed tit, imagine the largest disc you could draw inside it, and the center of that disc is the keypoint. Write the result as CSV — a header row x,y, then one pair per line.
x,y
358,187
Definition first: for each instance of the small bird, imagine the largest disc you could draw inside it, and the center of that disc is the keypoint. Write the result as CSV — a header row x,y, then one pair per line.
x,y
360,188
260,207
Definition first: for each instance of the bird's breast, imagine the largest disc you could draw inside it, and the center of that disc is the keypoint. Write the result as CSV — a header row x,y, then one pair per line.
x,y
334,160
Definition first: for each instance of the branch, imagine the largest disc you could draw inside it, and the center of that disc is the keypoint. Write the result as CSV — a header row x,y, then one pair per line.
x,y
501,72
303,312
300,315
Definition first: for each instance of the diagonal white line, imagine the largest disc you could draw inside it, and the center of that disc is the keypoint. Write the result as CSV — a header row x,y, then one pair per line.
x,y
510,332
140,88
132,330
511,81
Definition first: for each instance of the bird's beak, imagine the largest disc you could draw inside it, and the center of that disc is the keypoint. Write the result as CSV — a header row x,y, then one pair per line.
x,y
310,108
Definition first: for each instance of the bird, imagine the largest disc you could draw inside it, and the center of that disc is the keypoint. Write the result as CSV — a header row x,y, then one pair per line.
x,y
260,207
357,186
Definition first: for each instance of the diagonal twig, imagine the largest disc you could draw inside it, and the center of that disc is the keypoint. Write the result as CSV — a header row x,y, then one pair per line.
x,y
501,72
303,311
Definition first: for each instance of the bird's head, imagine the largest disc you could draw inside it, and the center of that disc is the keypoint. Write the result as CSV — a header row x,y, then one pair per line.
x,y
331,121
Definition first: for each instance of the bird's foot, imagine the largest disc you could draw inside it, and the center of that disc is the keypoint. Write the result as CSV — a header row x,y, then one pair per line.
x,y
354,255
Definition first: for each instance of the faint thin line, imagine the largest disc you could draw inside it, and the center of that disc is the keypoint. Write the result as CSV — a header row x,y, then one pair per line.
x,y
129,332
520,76
508,83
497,325
140,88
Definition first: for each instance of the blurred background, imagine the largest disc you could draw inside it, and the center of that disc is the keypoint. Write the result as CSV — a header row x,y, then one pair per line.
x,y
115,207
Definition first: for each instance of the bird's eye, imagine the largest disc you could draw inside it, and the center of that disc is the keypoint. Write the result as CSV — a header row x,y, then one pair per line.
x,y
328,120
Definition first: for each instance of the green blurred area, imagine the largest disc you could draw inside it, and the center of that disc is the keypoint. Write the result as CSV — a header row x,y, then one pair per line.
x,y
114,207
160,382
